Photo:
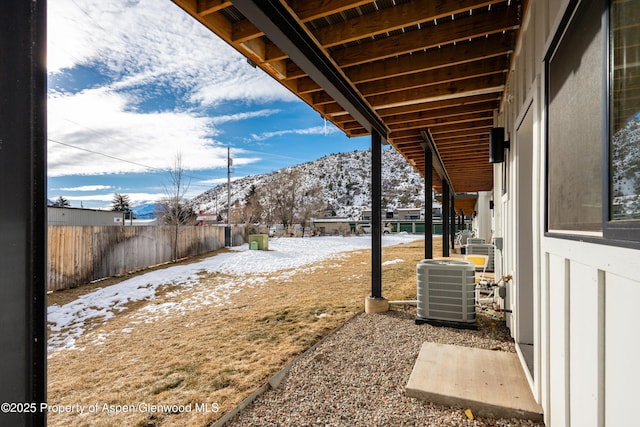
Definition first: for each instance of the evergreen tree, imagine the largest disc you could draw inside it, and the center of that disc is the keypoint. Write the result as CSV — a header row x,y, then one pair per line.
x,y
120,203
61,202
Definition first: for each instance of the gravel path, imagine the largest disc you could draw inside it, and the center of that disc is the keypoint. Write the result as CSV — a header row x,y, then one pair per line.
x,y
356,377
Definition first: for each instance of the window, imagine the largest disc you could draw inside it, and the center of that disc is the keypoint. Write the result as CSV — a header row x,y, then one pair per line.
x,y
593,124
624,113
622,192
575,73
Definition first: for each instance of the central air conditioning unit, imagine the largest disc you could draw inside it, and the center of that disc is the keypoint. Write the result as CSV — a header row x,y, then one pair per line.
x,y
475,240
483,249
446,293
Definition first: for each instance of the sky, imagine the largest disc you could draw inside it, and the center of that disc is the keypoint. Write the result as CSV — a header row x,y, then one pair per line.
x,y
135,84
243,267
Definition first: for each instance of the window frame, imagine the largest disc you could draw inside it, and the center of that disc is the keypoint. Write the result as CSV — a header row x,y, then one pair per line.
x,y
623,233
619,229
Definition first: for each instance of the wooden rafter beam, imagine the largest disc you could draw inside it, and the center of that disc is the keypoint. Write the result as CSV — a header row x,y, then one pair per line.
x,y
394,18
435,105
415,41
434,123
484,123
485,67
468,87
446,56
206,7
484,107
308,10
460,136
305,10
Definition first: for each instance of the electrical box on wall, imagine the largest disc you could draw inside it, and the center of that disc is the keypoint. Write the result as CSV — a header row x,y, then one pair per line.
x,y
498,242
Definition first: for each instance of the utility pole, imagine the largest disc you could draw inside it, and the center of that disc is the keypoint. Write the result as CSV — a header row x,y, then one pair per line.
x,y
229,161
227,229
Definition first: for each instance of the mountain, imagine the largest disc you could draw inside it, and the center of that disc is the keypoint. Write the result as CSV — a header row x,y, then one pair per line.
x,y
344,180
145,210
625,171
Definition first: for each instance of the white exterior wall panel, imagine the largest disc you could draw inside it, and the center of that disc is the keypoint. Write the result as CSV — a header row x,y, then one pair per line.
x,y
621,350
583,345
556,414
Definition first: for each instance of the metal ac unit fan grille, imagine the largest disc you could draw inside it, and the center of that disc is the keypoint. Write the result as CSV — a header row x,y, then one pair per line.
x,y
483,249
446,291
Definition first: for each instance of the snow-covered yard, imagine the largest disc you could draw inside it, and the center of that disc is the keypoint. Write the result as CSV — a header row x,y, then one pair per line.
x,y
287,255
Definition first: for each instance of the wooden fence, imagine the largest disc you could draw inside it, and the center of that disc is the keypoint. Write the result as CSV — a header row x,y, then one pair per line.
x,y
81,254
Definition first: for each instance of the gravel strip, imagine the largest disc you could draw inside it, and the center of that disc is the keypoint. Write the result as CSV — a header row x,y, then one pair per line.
x,y
357,377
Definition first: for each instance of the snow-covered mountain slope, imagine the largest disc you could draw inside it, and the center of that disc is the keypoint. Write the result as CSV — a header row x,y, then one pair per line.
x,y
344,180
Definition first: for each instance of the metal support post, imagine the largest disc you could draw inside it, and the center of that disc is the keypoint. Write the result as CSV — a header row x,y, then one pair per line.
x,y
446,198
428,203
376,219
23,226
453,221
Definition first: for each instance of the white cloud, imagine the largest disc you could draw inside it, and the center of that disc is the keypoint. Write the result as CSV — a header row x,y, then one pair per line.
x,y
243,116
85,188
142,47
316,130
111,139
153,42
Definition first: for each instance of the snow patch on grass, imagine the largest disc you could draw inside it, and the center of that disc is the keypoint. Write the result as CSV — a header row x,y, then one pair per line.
x,y
69,322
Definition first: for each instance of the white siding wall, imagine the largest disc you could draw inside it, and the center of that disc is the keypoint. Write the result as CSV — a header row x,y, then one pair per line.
x,y
585,296
621,350
557,414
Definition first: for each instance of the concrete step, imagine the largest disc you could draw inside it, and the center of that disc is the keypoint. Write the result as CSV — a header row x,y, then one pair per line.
x,y
490,383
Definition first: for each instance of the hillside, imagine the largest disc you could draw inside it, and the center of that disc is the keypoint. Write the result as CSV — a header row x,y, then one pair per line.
x,y
625,168
344,179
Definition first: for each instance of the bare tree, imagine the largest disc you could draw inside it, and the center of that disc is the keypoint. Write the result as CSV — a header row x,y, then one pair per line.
x,y
252,210
286,201
267,204
175,212
283,191
310,205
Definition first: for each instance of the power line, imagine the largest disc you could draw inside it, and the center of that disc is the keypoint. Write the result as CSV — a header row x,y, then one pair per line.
x,y
105,155
120,159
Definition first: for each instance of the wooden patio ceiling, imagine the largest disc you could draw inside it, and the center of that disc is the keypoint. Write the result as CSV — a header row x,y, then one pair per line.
x,y
407,67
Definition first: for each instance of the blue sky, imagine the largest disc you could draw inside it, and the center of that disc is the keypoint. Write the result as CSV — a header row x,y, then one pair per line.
x,y
132,83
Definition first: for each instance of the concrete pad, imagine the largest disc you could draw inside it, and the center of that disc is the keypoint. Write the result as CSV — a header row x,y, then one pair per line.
x,y
490,383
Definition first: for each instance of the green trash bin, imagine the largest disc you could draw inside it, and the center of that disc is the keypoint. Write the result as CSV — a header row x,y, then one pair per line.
x,y
259,242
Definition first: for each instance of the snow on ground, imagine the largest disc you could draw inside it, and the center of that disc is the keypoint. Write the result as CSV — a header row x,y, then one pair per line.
x,y
68,322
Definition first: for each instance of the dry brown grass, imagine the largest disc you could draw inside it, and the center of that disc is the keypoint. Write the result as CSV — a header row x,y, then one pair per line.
x,y
215,355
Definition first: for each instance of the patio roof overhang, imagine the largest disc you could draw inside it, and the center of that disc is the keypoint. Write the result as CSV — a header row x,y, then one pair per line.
x,y
401,68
